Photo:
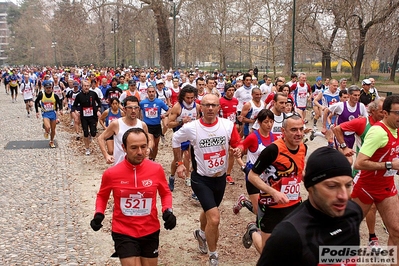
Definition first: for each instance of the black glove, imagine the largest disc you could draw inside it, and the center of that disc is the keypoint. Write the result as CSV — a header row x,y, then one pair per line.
x,y
246,170
96,222
170,220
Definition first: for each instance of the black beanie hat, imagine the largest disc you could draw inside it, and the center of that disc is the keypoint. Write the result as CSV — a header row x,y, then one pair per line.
x,y
325,163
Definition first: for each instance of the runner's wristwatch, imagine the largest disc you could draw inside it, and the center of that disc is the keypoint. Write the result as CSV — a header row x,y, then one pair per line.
x,y
343,145
388,165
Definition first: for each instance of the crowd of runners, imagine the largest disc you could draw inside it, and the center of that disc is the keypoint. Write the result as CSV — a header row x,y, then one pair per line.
x,y
219,120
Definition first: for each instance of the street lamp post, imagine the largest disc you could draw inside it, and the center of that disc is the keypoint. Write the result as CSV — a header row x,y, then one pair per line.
x,y
33,54
293,38
133,41
54,45
240,52
12,51
114,31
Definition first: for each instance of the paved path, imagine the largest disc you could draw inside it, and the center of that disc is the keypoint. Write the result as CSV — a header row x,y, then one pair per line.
x,y
47,197
37,224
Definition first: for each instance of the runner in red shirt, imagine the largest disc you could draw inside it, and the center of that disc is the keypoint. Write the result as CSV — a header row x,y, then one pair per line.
x,y
134,184
228,110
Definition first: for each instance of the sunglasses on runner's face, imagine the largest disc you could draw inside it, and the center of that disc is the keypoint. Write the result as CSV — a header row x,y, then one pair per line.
x,y
396,112
132,107
208,105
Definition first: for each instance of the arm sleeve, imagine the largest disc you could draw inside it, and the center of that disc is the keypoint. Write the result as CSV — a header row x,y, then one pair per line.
x,y
250,142
98,100
164,191
276,251
266,158
37,101
186,132
337,108
103,193
235,138
375,138
58,102
164,106
363,110
269,98
293,87
357,125
77,100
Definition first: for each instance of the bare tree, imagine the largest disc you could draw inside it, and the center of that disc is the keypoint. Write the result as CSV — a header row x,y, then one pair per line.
x,y
367,14
318,24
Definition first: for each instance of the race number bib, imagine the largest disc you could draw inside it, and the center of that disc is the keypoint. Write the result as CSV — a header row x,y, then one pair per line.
x,y
291,188
13,83
232,117
302,94
48,106
138,204
389,173
87,111
112,118
151,112
215,161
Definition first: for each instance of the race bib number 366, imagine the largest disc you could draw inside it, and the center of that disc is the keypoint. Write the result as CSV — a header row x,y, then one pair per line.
x,y
215,161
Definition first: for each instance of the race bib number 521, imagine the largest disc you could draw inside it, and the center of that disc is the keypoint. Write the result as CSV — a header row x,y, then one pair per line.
x,y
136,204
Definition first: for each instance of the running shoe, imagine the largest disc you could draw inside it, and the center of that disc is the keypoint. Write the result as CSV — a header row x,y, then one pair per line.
x,y
28,115
213,260
52,145
46,135
229,179
238,205
72,123
87,152
202,246
373,242
57,121
163,139
77,136
194,197
171,183
188,182
247,238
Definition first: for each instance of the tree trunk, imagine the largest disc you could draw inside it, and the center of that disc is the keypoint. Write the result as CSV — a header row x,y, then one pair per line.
x,y
165,46
394,65
359,57
326,71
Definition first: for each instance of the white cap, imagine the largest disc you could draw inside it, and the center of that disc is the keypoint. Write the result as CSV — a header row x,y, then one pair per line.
x,y
366,82
160,81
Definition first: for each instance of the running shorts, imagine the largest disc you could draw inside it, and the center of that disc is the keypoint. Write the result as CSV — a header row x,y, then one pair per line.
x,y
128,246
374,192
209,190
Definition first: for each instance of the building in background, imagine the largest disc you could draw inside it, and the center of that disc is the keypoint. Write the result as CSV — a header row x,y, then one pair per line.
x,y
5,33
